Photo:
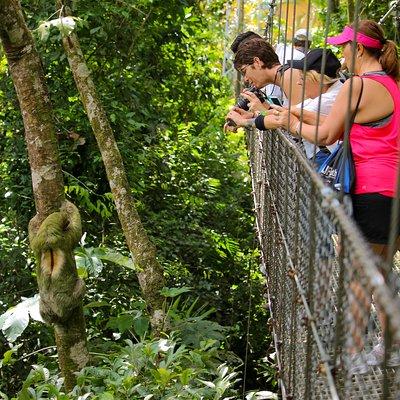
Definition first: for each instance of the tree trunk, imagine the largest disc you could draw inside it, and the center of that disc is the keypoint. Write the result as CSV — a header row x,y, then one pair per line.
x,y
150,273
350,11
332,6
240,26
56,270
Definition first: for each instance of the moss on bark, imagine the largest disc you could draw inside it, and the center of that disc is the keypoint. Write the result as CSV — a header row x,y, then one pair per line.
x,y
47,181
150,273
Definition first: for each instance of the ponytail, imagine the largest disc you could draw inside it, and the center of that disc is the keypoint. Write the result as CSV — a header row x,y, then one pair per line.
x,y
389,59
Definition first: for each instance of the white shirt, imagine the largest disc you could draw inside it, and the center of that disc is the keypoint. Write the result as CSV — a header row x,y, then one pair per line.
x,y
280,50
327,100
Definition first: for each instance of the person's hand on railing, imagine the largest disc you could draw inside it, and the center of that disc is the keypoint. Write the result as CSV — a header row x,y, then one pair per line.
x,y
286,119
231,125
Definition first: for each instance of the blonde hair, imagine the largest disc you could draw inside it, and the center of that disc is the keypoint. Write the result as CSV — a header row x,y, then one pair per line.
x,y
315,77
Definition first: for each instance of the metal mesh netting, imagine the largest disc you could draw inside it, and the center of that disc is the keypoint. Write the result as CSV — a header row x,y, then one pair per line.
x,y
330,300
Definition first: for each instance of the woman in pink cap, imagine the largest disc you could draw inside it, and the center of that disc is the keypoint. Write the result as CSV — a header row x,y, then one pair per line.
x,y
374,137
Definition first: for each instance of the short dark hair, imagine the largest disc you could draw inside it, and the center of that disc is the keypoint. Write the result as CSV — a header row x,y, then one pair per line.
x,y
243,38
256,48
301,43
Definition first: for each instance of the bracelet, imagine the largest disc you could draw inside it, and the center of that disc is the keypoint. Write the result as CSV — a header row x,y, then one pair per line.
x,y
257,113
259,123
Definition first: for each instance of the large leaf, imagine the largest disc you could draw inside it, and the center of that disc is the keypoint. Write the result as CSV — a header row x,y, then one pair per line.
x,y
173,292
91,259
195,330
116,258
15,320
263,395
121,323
141,325
88,262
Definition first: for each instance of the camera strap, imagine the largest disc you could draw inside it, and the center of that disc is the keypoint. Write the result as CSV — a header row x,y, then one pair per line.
x,y
283,68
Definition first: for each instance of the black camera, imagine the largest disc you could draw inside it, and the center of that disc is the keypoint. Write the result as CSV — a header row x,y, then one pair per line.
x,y
243,103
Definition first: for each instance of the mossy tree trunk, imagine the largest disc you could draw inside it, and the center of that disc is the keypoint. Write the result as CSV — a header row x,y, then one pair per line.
x,y
350,11
240,28
150,273
47,181
333,6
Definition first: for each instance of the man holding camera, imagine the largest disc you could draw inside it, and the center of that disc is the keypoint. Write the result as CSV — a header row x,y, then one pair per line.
x,y
260,66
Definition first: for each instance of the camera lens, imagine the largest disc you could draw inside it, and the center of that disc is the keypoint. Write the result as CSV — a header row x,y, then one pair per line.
x,y
244,103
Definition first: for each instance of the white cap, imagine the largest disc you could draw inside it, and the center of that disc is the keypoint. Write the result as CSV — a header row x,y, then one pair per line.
x,y
301,34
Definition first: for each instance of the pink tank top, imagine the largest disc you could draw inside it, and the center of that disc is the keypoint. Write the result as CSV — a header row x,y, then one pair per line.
x,y
376,149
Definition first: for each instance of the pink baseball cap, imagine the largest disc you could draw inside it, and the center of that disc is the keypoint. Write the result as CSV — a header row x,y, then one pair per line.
x,y
348,36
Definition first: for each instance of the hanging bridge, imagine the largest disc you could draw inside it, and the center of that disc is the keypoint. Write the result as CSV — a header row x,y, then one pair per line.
x,y
318,295
320,275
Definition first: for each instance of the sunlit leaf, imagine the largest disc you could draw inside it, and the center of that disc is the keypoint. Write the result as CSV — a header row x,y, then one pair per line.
x,y
15,320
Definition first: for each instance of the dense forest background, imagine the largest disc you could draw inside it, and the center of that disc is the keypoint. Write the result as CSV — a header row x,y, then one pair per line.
x,y
157,68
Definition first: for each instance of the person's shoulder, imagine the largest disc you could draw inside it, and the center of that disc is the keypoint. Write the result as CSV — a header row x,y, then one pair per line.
x,y
335,88
338,84
355,84
286,53
291,71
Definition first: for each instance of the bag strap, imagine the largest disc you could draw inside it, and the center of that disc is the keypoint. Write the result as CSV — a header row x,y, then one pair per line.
x,y
353,116
347,154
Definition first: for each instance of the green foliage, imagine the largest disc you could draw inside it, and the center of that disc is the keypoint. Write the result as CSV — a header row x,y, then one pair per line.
x,y
102,204
151,369
15,320
156,66
8,356
190,320
164,369
89,260
46,385
373,10
173,292
132,319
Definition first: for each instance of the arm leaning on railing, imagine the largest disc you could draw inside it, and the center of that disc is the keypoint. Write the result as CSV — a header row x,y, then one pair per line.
x,y
332,127
309,117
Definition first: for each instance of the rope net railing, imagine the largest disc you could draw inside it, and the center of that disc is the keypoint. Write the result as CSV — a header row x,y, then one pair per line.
x,y
334,302
320,276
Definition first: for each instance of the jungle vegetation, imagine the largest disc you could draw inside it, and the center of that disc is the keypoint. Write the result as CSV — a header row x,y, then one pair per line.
x,y
155,69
